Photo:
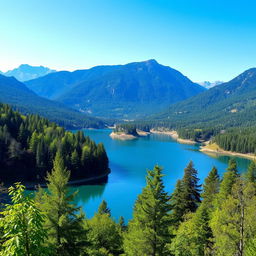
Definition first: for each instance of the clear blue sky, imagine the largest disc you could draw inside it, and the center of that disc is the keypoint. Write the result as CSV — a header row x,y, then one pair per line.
x,y
204,39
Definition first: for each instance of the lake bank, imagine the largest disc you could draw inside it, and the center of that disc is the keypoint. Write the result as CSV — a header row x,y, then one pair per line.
x,y
173,134
215,149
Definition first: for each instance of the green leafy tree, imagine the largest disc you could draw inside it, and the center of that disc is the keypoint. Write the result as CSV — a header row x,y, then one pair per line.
x,y
103,233
148,232
22,226
233,223
64,221
193,234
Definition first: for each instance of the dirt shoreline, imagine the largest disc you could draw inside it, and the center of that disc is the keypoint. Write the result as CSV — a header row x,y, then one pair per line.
x,y
205,149
175,136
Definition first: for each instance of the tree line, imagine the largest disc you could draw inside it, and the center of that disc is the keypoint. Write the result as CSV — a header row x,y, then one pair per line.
x,y
28,145
216,218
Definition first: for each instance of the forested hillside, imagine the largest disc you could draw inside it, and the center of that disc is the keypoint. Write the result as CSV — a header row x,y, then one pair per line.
x,y
28,145
120,91
217,218
21,98
225,105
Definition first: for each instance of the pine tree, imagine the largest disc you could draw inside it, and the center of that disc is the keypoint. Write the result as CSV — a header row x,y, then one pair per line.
x,y
103,208
186,196
148,232
211,187
229,179
64,221
251,172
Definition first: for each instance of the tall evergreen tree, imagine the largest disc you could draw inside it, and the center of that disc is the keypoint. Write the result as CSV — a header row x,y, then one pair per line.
x,y
211,187
148,232
186,196
64,221
251,172
229,179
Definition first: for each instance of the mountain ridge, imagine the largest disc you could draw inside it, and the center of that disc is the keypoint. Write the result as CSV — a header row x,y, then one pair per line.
x,y
117,91
16,94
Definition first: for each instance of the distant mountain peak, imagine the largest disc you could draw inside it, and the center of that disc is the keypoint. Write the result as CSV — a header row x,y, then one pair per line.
x,y
27,72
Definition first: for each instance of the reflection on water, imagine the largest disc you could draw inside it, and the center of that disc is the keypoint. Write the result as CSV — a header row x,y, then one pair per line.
x,y
88,192
129,161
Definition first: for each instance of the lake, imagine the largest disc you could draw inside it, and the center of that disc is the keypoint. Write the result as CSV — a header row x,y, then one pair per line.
x,y
129,161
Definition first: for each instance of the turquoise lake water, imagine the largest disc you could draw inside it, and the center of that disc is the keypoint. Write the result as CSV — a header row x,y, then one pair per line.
x,y
129,161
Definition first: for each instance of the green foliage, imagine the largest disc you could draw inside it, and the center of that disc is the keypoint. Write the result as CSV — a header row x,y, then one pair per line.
x,y
229,179
251,172
103,233
148,231
193,235
64,220
233,222
22,225
103,208
186,196
28,145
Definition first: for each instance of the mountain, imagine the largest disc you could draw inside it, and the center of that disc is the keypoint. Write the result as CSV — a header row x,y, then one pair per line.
x,y
123,91
208,85
26,72
19,96
225,105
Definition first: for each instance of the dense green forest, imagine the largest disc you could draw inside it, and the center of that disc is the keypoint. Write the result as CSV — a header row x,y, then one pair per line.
x,y
28,145
239,140
217,218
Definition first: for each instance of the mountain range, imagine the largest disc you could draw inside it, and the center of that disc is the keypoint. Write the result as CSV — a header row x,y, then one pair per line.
x,y
128,91
20,97
226,105
26,72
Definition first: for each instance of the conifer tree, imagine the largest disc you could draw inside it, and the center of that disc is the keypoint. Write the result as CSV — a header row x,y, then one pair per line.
x,y
148,232
103,208
229,179
251,172
186,196
64,221
211,187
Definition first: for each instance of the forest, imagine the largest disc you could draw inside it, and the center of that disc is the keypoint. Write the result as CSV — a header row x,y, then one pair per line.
x,y
216,218
28,145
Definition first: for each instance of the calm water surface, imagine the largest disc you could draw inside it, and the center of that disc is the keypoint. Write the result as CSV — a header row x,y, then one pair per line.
x,y
129,161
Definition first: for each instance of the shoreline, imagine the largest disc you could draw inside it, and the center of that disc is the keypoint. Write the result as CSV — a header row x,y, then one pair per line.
x,y
175,136
218,151
125,136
